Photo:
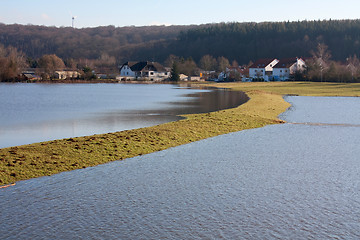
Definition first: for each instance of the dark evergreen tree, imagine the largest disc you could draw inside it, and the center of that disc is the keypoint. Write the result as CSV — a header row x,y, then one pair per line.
x,y
174,73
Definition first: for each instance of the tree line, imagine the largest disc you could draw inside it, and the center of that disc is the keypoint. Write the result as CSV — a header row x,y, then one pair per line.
x,y
14,62
242,42
321,67
103,48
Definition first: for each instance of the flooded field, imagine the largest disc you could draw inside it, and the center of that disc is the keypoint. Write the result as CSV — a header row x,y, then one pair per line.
x,y
41,112
289,181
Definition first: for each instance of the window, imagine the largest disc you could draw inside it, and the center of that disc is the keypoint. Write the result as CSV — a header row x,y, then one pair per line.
x,y
151,73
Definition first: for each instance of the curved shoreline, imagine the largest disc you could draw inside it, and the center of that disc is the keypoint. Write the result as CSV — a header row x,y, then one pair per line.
x,y
47,158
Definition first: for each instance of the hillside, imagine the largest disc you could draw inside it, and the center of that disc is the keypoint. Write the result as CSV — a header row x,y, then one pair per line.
x,y
246,42
90,43
242,42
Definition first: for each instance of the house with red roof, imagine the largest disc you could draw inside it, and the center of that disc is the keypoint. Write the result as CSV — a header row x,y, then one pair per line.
x,y
262,69
288,67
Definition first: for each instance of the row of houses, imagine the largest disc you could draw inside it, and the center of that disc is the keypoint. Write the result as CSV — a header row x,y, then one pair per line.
x,y
30,74
270,69
264,69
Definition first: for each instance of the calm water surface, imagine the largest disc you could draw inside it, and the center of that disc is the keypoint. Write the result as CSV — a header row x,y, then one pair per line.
x,y
39,112
289,181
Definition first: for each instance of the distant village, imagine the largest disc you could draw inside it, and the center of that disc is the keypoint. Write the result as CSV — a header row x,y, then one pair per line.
x,y
261,70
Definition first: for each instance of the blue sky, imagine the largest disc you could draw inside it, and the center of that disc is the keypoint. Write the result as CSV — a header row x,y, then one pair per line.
x,y
120,13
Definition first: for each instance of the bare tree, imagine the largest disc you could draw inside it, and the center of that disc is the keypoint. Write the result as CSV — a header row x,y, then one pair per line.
x,y
51,63
208,63
353,64
169,62
223,63
188,67
234,63
321,58
12,62
106,60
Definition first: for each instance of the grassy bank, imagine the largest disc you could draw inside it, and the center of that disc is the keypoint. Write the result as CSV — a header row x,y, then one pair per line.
x,y
299,88
265,104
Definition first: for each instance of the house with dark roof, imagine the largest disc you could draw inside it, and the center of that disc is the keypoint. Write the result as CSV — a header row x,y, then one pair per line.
x,y
149,71
288,67
262,69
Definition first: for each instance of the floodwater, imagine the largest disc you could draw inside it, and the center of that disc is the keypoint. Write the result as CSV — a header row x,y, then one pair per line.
x,y
289,181
40,112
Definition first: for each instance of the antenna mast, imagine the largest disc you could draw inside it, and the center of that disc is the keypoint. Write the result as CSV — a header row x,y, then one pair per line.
x,y
73,21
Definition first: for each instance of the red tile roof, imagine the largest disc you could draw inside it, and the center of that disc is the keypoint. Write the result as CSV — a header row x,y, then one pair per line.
x,y
286,63
262,63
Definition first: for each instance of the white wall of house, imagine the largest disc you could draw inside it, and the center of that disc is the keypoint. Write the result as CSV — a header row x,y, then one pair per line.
x,y
263,72
183,77
257,72
281,73
126,71
269,67
284,73
66,74
154,75
299,66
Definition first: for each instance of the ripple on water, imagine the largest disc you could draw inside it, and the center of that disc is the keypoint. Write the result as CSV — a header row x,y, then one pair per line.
x,y
278,182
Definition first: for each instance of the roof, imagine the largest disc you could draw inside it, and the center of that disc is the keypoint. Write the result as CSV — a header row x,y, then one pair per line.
x,y
239,69
130,64
145,66
286,63
262,63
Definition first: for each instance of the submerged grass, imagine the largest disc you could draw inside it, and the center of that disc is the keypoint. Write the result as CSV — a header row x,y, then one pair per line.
x,y
265,104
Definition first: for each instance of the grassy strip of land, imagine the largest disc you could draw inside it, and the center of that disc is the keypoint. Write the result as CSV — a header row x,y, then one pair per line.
x,y
265,104
299,88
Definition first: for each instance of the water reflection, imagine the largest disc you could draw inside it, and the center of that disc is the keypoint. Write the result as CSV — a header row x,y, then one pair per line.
x,y
201,102
35,113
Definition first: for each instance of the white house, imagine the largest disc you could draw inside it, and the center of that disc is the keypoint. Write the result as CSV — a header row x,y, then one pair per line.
x,y
183,77
66,74
287,67
151,71
262,69
126,71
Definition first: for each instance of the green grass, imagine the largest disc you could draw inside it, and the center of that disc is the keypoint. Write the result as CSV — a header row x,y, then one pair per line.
x,y
265,104
299,88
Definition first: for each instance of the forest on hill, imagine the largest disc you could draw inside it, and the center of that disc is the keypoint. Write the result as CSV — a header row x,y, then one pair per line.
x,y
242,42
208,46
90,43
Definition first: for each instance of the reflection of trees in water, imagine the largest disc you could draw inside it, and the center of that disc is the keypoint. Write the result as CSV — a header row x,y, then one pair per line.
x,y
203,102
221,99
